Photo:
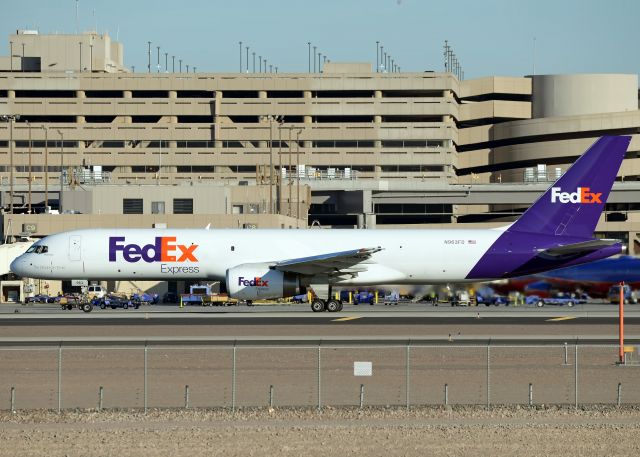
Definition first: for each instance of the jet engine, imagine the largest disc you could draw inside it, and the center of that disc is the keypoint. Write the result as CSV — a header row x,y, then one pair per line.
x,y
256,281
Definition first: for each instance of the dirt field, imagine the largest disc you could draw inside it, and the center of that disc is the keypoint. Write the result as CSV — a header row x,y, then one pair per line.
x,y
331,432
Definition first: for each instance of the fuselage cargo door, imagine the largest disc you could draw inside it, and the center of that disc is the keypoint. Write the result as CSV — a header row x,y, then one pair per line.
x,y
75,247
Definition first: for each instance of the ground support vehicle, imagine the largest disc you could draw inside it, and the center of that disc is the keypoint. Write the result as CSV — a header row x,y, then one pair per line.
x,y
70,301
39,298
554,301
201,294
613,295
115,301
144,299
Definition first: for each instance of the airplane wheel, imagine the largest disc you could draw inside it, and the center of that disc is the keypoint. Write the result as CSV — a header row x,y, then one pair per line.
x,y
333,306
340,307
317,305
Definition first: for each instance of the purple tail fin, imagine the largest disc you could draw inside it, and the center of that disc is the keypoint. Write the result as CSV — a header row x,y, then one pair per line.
x,y
572,206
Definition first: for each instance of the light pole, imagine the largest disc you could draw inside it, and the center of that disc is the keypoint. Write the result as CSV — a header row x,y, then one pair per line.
x,y
173,64
290,177
279,119
46,165
240,45
148,56
270,118
11,118
298,132
61,170
30,173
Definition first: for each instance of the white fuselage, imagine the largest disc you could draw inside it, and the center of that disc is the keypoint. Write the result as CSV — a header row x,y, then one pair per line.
x,y
406,257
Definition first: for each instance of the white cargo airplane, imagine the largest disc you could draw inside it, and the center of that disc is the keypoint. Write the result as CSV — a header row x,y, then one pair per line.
x,y
556,231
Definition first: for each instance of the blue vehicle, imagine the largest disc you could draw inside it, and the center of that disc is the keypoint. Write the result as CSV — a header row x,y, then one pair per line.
x,y
144,298
559,300
114,301
364,297
613,295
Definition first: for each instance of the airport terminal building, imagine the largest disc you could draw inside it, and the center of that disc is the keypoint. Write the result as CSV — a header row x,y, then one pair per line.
x,y
345,147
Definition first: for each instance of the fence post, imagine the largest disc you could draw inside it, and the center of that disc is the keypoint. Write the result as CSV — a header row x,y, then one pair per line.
x,y
319,380
408,386
100,397
60,377
530,394
13,399
271,396
361,395
446,394
576,374
186,396
233,380
619,402
145,377
489,375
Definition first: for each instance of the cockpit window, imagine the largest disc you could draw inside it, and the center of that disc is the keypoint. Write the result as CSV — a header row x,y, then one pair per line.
x,y
31,249
38,249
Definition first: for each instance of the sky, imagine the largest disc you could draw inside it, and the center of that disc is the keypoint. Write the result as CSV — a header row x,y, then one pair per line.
x,y
489,37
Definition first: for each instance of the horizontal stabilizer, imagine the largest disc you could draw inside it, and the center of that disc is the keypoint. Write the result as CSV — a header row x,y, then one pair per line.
x,y
582,248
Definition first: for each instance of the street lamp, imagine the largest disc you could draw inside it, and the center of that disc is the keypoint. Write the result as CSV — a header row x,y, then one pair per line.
x,y
298,132
61,170
30,168
46,165
11,118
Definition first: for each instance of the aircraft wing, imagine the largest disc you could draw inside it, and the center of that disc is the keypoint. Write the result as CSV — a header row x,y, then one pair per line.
x,y
334,262
582,248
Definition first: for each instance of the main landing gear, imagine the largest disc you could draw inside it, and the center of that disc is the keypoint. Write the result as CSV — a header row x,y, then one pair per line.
x,y
318,305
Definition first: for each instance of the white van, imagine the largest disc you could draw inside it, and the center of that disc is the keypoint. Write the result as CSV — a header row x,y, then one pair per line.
x,y
96,290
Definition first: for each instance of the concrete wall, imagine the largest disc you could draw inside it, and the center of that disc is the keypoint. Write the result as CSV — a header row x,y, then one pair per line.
x,y
575,95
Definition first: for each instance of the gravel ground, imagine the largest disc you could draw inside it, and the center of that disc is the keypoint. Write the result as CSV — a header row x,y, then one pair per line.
x,y
331,432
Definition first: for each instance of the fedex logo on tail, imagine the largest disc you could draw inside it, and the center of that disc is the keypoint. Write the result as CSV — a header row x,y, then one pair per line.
x,y
255,282
163,249
581,195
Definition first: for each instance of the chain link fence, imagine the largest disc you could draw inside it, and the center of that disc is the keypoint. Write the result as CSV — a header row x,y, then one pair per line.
x,y
314,376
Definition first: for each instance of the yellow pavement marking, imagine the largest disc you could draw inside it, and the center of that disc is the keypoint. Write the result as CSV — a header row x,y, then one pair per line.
x,y
563,318
342,319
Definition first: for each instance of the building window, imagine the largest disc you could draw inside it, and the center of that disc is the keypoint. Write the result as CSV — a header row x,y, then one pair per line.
x,y
183,206
131,206
157,207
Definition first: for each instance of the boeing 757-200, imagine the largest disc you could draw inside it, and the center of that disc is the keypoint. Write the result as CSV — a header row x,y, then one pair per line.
x,y
556,231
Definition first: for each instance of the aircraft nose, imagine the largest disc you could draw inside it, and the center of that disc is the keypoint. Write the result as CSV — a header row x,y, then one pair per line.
x,y
18,266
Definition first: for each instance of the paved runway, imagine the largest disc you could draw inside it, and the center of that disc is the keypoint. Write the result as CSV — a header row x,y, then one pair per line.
x,y
405,320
